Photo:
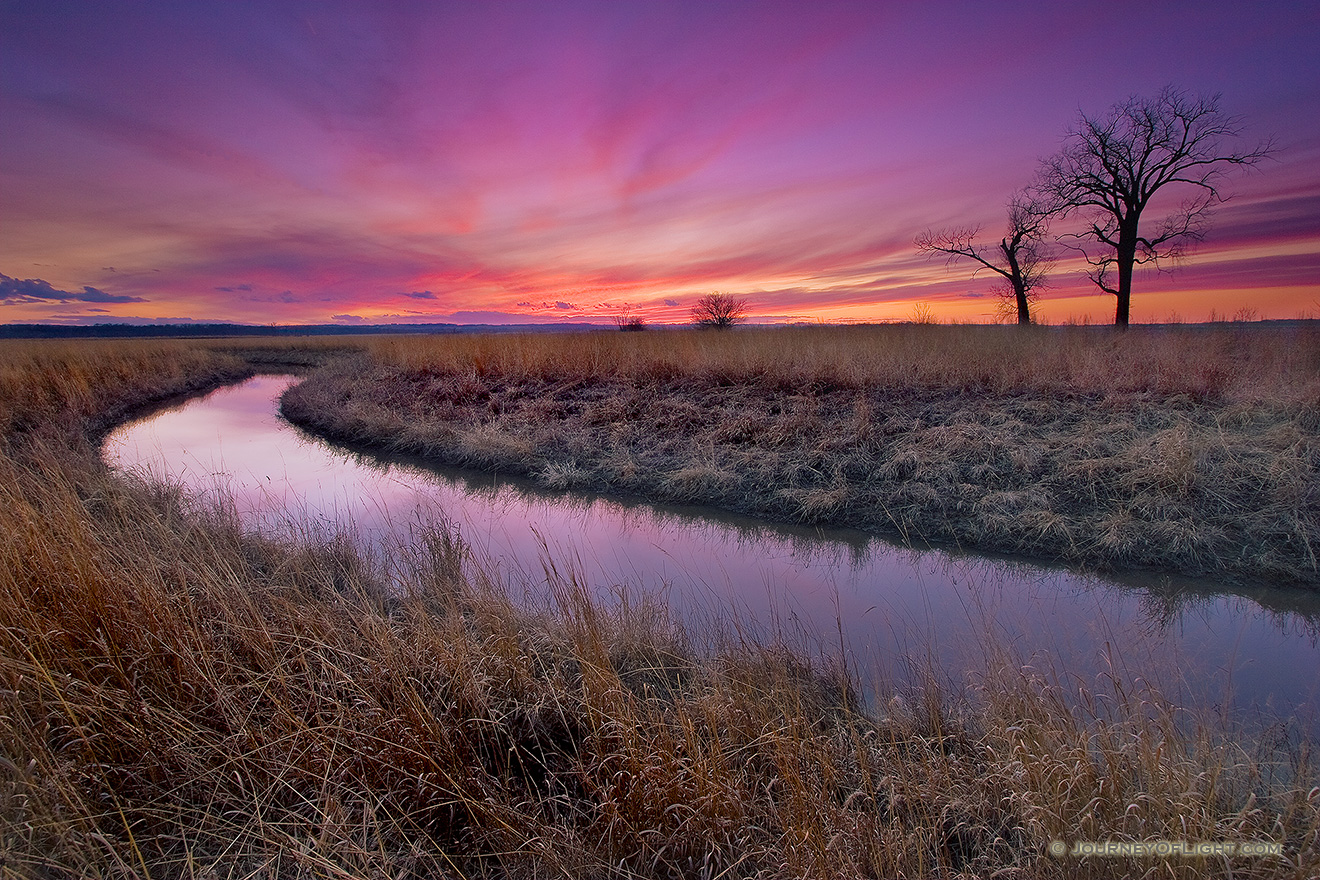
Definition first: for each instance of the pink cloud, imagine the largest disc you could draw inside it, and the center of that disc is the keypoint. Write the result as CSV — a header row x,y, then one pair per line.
x,y
295,163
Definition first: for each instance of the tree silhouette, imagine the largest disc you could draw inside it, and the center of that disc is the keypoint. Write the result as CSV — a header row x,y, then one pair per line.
x,y
627,320
1111,166
1021,257
720,310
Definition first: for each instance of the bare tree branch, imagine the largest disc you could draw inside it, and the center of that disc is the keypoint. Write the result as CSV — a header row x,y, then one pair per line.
x,y
1020,257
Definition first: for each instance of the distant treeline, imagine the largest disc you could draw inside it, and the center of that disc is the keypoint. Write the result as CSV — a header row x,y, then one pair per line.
x,y
201,331
116,331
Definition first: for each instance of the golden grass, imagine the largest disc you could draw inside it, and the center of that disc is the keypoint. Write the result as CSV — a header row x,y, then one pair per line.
x,y
1186,449
179,698
1239,364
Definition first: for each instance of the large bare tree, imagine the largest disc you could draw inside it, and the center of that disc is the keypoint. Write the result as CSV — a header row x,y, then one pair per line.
x,y
1111,167
720,310
1020,258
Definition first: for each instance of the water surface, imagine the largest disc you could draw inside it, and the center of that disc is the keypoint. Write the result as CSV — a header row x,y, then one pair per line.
x,y
892,609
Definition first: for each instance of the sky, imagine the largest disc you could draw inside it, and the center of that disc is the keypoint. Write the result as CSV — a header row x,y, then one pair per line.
x,y
350,162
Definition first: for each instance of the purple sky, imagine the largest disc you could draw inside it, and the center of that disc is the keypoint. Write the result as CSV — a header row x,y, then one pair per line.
x,y
339,161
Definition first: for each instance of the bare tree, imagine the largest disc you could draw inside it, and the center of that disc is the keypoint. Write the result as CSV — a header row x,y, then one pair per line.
x,y
721,310
629,321
1111,166
1020,258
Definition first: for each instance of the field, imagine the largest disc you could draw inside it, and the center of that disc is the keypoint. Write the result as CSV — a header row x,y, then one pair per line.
x,y
1185,449
181,698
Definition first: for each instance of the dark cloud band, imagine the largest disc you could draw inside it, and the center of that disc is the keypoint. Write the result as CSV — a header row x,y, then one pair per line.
x,y
32,290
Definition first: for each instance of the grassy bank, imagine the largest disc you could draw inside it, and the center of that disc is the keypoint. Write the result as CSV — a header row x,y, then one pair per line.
x,y
179,698
1182,449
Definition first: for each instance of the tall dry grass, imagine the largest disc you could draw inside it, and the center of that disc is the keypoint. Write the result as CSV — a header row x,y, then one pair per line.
x,y
180,698
74,391
1245,363
1187,449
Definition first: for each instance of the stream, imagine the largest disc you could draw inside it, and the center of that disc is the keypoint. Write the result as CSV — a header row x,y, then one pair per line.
x,y
898,613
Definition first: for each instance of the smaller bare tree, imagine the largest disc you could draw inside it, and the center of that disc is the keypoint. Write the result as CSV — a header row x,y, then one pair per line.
x,y
1020,258
629,321
720,310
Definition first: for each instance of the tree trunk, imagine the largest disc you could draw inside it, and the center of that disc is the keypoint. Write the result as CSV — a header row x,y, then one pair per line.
x,y
1127,256
1016,280
1121,311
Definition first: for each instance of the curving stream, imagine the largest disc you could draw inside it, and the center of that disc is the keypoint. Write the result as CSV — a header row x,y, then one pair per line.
x,y
897,611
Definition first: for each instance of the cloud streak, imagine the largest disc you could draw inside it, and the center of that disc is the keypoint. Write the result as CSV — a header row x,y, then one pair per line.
x,y
35,290
353,161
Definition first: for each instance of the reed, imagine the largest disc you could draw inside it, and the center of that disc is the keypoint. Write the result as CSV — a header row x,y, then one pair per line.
x,y
182,698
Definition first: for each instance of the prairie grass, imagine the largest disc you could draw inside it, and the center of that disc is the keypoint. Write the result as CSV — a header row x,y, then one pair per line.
x,y
182,698
76,391
1184,449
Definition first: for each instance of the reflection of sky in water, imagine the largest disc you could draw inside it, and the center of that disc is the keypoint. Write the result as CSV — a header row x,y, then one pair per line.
x,y
808,586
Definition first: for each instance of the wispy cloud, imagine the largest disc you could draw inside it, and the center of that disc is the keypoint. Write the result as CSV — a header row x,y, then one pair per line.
x,y
295,162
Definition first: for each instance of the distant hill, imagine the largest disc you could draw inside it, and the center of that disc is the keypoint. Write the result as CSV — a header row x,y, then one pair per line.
x,y
118,331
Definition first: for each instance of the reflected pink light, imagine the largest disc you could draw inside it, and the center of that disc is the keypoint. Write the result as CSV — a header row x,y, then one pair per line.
x,y
780,582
